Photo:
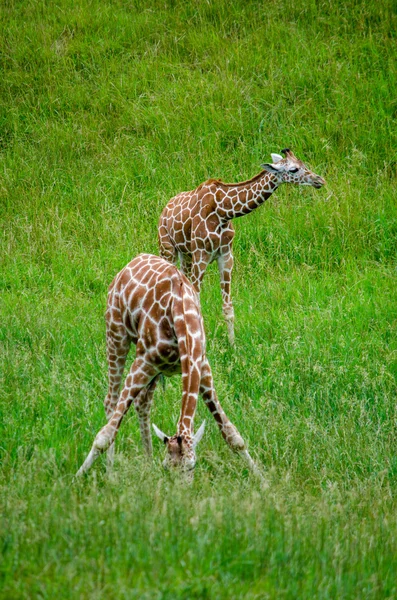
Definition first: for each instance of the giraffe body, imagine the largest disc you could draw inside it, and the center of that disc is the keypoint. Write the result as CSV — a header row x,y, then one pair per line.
x,y
196,226
152,305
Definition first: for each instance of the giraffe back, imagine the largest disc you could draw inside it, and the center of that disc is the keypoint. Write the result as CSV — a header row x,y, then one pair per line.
x,y
157,307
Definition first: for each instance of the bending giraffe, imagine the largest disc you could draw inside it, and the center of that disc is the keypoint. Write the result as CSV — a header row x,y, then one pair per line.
x,y
154,306
196,226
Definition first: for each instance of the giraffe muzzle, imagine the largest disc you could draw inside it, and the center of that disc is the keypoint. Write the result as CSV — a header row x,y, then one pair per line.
x,y
318,182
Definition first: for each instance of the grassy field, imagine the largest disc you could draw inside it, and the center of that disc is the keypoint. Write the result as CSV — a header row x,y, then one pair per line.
x,y
109,108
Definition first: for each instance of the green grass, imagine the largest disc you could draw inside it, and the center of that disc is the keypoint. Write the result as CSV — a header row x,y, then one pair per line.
x,y
107,109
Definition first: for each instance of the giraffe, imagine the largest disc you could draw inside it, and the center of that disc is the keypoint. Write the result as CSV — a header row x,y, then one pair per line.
x,y
153,305
196,226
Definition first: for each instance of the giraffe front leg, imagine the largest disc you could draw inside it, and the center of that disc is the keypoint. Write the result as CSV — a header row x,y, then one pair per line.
x,y
139,377
225,266
229,432
117,347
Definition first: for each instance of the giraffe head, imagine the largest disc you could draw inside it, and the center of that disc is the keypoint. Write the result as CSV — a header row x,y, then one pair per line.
x,y
292,170
180,449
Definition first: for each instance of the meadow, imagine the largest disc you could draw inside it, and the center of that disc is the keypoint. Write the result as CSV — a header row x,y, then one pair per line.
x,y
108,109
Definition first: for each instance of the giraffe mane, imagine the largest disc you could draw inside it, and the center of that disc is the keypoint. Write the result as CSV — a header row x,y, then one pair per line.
x,y
223,183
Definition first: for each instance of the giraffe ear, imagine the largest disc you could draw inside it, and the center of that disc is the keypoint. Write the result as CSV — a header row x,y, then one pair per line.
x,y
160,434
272,168
199,434
276,157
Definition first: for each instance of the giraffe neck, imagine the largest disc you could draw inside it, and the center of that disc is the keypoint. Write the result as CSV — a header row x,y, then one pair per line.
x,y
239,199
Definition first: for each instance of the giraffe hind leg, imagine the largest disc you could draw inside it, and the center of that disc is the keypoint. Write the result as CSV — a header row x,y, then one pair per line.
x,y
167,248
117,346
186,265
143,403
139,377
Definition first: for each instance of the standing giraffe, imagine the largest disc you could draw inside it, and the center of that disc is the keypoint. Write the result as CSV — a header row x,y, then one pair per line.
x,y
153,305
196,225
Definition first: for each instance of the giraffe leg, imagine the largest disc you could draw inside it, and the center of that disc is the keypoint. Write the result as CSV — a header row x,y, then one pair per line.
x,y
229,431
225,266
200,262
143,403
138,379
117,347
186,265
167,248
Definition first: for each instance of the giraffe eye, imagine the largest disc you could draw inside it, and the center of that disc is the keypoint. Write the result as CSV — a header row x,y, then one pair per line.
x,y
294,170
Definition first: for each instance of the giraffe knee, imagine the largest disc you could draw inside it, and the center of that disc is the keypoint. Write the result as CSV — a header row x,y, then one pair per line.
x,y
228,312
233,438
102,441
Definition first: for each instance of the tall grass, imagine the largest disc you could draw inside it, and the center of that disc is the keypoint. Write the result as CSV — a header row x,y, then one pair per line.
x,y
107,110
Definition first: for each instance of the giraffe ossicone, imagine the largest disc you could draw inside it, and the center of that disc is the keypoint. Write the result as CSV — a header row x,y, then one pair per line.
x,y
276,157
196,226
196,438
152,305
